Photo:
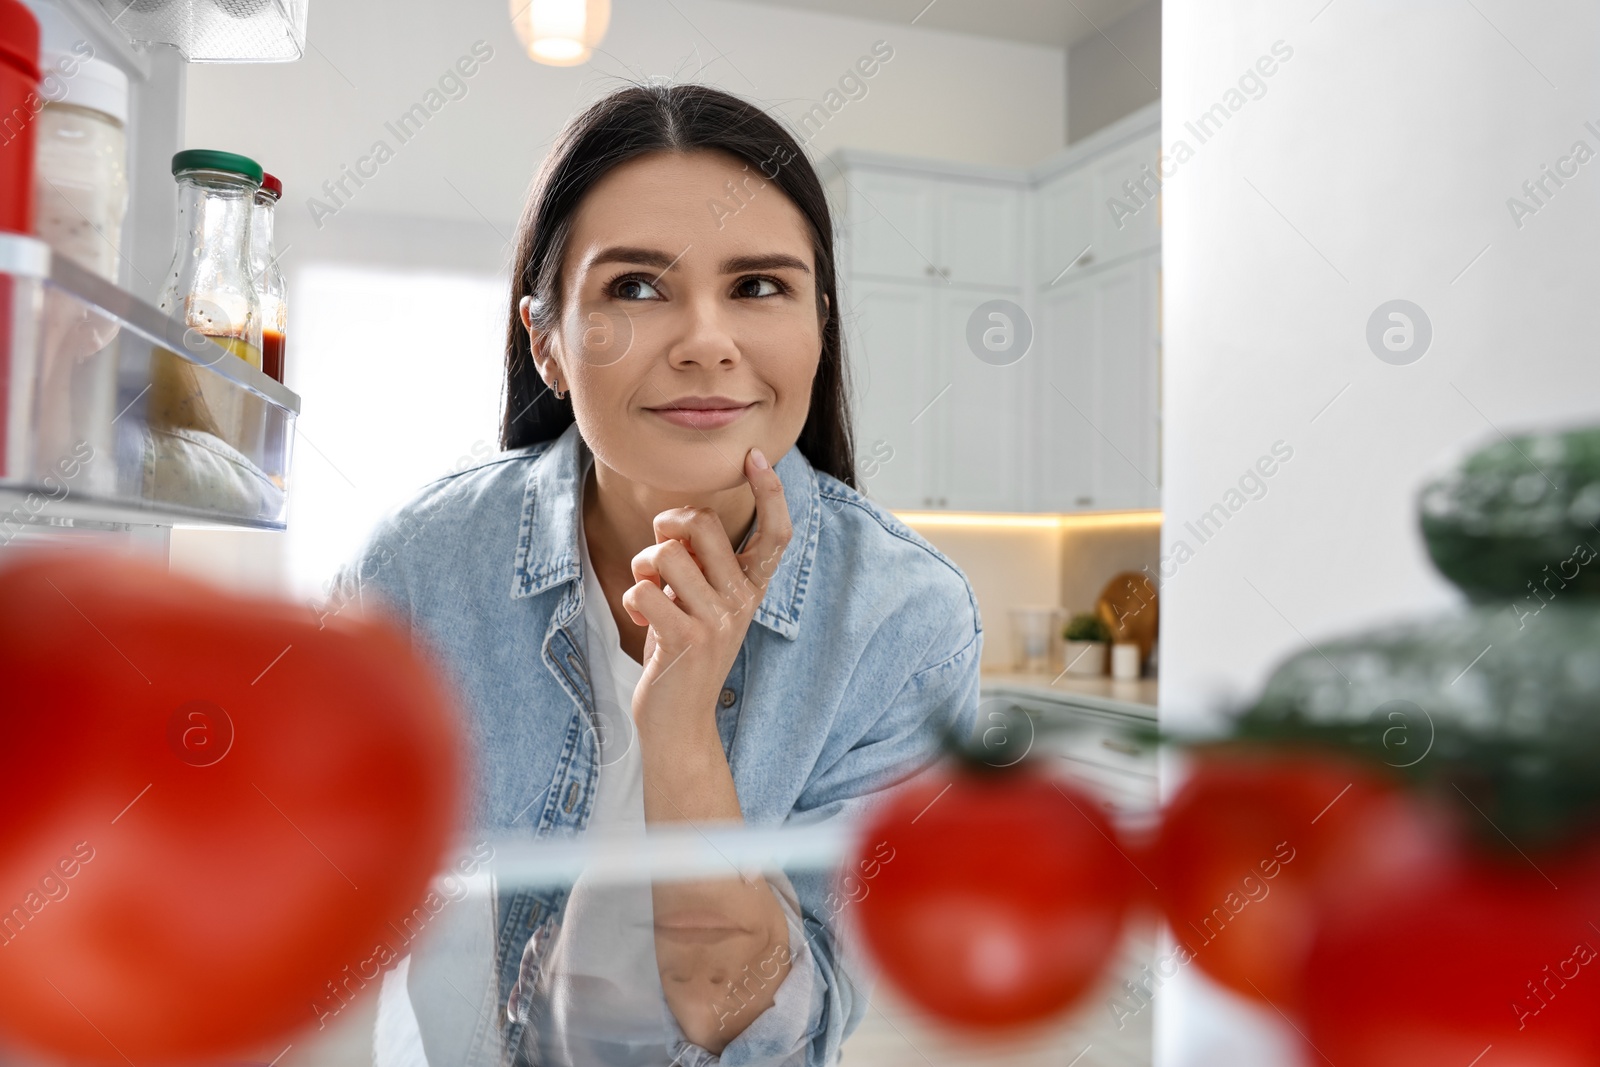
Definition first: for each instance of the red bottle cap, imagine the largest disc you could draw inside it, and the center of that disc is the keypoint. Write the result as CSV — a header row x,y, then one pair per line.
x,y
270,184
19,39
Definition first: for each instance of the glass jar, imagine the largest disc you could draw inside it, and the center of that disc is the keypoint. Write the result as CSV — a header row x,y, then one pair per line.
x,y
208,287
267,276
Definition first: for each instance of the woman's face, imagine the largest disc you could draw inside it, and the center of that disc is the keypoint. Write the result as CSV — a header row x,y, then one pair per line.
x,y
689,330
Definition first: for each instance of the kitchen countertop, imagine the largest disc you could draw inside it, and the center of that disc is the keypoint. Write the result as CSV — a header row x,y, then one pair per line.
x,y
1098,692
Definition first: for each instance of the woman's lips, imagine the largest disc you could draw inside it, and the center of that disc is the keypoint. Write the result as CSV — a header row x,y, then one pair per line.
x,y
702,418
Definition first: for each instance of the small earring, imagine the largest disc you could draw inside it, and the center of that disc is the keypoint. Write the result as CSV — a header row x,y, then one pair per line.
x,y
556,388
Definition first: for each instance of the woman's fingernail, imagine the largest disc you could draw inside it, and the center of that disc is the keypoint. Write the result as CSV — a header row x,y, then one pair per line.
x,y
760,460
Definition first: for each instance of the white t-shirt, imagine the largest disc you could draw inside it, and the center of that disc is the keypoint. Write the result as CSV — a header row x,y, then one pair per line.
x,y
599,989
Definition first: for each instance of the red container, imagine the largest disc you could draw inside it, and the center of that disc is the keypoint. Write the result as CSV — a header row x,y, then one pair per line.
x,y
19,107
19,104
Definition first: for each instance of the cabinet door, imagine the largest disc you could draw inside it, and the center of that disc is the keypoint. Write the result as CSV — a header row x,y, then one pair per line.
x,y
1118,232
1066,218
1065,386
1096,392
1125,410
976,423
889,347
891,225
980,234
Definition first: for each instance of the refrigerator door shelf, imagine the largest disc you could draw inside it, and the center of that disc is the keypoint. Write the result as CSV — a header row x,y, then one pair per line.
x,y
113,413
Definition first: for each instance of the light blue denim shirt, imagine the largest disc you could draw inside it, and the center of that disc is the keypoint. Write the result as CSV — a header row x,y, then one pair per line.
x,y
862,653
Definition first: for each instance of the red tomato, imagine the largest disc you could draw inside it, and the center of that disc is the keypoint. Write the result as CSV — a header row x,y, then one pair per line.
x,y
1003,895
1260,844
212,808
1479,958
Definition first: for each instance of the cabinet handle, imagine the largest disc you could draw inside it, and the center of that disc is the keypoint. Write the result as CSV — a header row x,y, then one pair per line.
x,y
1085,501
1119,746
944,272
1086,259
930,270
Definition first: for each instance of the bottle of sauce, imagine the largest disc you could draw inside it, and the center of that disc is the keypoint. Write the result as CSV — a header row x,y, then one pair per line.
x,y
208,287
267,276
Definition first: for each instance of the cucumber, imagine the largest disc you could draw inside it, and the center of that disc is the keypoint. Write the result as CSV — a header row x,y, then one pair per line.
x,y
1518,521
1500,708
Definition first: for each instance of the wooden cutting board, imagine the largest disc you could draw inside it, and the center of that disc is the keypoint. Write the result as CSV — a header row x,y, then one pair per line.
x,y
1129,607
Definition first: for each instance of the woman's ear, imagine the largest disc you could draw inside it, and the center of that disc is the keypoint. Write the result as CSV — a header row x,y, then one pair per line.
x,y
540,345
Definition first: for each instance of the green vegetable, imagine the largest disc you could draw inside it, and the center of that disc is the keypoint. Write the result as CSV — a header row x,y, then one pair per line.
x,y
1484,706
1519,520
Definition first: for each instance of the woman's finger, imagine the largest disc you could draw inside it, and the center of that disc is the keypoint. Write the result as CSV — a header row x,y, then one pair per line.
x,y
670,563
648,606
708,542
773,528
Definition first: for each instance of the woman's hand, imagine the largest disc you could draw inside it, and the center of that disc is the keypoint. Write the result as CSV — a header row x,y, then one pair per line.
x,y
698,597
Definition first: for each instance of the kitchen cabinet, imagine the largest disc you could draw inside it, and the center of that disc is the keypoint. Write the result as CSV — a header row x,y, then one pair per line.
x,y
922,228
889,329
1095,391
1087,216
1090,739
922,399
1074,425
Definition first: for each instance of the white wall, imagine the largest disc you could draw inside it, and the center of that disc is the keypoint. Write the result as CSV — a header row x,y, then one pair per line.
x,y
943,95
1376,165
1115,72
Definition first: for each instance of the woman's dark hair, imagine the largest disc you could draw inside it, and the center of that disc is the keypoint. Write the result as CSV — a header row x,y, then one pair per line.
x,y
664,118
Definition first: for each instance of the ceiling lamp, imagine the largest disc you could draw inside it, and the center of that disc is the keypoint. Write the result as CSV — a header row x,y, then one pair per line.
x,y
560,33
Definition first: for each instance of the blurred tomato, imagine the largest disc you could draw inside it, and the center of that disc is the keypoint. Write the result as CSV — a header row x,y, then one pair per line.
x,y
1003,897
212,808
1259,845
1482,951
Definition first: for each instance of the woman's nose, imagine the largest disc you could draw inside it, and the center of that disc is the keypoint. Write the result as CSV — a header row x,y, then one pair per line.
x,y
706,338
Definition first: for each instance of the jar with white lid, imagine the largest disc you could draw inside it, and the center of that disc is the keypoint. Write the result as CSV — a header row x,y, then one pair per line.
x,y
81,148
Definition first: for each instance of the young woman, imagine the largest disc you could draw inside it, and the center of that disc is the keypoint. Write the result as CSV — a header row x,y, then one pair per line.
x,y
665,602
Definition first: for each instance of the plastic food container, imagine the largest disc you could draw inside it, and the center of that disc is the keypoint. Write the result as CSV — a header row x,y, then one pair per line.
x,y
1033,631
81,150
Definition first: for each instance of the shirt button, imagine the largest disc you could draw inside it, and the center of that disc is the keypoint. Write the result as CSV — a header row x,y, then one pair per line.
x,y
728,697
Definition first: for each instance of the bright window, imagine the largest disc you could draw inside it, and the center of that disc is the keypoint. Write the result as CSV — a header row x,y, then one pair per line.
x,y
400,374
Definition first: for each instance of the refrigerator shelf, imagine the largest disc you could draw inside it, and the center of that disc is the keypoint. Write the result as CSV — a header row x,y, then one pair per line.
x,y
111,413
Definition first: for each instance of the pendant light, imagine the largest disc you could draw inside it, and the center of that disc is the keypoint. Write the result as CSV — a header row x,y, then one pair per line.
x,y
560,33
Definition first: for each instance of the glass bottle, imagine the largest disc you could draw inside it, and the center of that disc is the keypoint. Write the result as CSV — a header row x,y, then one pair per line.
x,y
267,276
208,287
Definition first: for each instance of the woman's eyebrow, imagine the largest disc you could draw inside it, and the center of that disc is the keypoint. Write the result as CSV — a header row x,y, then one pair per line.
x,y
765,261
651,257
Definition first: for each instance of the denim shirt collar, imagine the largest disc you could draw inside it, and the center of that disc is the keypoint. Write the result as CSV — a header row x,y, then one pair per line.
x,y
547,552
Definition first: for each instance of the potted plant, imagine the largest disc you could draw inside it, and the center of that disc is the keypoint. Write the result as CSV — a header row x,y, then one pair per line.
x,y
1087,638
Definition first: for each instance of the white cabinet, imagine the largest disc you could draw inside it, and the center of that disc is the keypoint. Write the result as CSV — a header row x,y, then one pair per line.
x,y
888,331
1088,216
980,235
890,225
1095,391
975,447
939,415
916,227
1072,426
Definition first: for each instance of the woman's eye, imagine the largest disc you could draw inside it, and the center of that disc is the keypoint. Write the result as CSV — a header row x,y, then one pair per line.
x,y
776,286
624,288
